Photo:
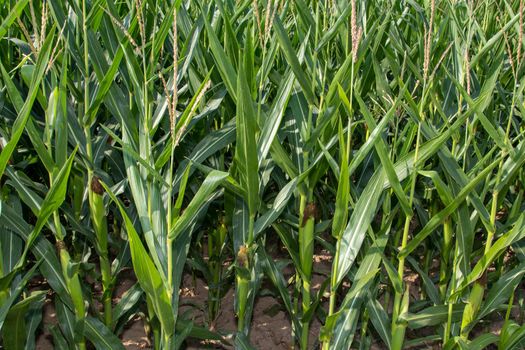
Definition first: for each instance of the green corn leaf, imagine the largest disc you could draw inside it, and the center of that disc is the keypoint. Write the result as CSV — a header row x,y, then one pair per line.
x,y
50,266
33,318
501,290
432,316
494,39
18,287
66,319
53,200
15,327
353,235
25,112
512,337
212,181
393,275
100,335
292,59
58,338
497,135
442,215
185,118
33,133
428,283
380,320
376,140
224,64
246,148
344,323
273,121
276,277
151,281
242,342
506,240
343,189
215,141
103,88
482,341
12,16
349,307
335,27
129,299
279,204
399,328
182,189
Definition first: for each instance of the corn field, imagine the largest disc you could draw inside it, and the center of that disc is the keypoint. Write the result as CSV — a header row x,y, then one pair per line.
x,y
359,164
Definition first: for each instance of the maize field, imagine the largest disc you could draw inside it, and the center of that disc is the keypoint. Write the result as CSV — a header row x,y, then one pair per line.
x,y
262,174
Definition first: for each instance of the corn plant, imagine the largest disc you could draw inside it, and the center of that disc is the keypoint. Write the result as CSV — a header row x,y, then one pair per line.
x,y
238,142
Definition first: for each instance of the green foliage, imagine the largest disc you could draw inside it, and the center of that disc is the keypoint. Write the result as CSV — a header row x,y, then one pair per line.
x,y
242,142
